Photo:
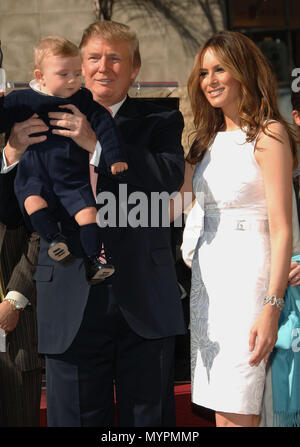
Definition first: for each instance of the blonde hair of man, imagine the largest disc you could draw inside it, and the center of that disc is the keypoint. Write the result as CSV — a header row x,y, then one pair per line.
x,y
113,32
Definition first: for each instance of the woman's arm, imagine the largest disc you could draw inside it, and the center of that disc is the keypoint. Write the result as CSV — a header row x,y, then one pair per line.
x,y
185,196
275,160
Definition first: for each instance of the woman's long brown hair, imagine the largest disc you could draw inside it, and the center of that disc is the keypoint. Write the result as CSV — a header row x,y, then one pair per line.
x,y
258,98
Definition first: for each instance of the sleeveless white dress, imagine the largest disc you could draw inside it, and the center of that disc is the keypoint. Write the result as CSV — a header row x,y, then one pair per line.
x,y
230,276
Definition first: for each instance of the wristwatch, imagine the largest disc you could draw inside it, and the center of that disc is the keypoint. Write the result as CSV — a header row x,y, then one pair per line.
x,y
17,300
14,304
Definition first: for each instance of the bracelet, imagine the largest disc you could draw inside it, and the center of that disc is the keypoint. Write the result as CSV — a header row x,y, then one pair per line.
x,y
274,301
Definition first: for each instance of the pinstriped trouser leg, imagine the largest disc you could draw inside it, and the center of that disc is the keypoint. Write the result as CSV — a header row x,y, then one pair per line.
x,y
20,395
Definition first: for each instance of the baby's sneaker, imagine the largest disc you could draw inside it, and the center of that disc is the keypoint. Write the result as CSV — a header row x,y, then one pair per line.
x,y
59,250
97,270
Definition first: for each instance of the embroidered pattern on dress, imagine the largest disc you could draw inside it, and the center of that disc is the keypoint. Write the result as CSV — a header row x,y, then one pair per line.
x,y
199,300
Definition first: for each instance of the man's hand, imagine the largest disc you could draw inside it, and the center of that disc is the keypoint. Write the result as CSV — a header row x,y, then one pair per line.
x,y
8,316
120,166
75,126
20,138
294,275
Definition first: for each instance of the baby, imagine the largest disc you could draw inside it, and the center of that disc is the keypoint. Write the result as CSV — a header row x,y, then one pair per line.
x,y
56,171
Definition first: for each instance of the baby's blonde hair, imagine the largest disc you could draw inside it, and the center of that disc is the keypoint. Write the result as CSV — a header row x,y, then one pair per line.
x,y
54,46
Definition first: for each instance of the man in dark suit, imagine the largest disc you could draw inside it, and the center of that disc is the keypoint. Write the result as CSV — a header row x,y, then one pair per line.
x,y
20,364
123,330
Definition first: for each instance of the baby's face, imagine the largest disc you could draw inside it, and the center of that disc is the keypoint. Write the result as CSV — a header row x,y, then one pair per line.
x,y
60,76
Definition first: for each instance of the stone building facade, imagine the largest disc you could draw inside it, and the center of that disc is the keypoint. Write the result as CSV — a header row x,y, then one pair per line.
x,y
24,22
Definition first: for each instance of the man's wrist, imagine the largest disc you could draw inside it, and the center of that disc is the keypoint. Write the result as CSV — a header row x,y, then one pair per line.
x,y
95,156
91,145
16,299
9,161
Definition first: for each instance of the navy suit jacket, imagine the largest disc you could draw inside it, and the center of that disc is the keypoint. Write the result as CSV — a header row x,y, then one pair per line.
x,y
144,283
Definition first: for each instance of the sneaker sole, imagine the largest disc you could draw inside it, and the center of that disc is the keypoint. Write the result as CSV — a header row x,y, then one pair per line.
x,y
59,252
101,275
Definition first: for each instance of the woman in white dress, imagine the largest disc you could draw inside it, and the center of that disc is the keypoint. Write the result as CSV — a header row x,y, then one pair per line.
x,y
245,153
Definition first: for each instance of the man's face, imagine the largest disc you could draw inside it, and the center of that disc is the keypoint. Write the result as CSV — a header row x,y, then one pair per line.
x,y
108,70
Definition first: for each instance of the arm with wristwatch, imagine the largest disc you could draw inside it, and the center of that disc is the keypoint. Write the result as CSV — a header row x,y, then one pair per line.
x,y
13,234
18,258
21,286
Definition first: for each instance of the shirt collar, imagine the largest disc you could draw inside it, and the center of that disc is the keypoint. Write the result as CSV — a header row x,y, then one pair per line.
x,y
34,85
115,107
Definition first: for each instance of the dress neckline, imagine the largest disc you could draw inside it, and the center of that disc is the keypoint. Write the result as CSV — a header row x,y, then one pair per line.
x,y
231,131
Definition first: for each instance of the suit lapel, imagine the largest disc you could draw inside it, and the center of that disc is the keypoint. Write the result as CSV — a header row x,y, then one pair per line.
x,y
128,118
128,109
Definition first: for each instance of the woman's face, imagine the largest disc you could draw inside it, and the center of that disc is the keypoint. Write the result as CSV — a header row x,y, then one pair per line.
x,y
218,85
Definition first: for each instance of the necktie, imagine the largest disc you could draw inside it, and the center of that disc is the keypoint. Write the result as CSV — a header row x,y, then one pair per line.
x,y
93,181
93,174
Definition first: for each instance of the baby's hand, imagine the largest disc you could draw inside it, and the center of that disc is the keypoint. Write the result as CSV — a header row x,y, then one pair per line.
x,y
120,166
1,93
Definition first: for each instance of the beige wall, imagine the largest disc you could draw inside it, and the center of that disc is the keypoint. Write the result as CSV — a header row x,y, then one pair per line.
x,y
164,57
24,22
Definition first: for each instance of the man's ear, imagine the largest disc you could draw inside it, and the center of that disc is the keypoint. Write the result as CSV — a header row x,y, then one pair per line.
x,y
135,71
38,75
296,117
